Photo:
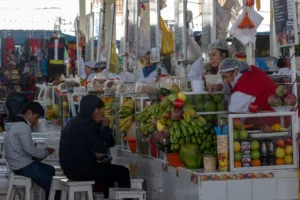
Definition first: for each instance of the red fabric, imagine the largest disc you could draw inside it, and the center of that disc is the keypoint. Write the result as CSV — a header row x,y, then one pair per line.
x,y
258,84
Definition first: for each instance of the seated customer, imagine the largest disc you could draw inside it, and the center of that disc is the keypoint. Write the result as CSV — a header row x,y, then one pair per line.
x,y
21,154
80,140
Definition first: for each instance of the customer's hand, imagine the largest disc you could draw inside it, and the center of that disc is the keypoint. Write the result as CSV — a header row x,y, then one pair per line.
x,y
215,88
50,150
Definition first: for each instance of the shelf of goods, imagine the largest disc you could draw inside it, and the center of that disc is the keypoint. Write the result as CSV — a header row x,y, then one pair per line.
x,y
163,127
262,141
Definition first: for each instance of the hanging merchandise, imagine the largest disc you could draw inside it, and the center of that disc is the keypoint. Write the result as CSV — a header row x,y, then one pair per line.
x,y
167,39
244,29
114,60
9,61
144,27
224,15
56,65
193,49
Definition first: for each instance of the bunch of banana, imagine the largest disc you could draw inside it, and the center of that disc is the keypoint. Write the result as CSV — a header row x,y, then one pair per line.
x,y
125,123
146,113
126,115
127,109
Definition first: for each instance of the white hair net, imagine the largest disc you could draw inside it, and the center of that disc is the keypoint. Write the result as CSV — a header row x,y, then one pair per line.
x,y
90,64
219,44
230,64
101,64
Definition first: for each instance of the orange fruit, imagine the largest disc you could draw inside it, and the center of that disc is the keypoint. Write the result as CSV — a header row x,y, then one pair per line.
x,y
255,162
237,164
279,161
276,127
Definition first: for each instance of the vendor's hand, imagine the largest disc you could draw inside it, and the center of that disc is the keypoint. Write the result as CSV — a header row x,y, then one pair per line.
x,y
215,87
50,150
105,122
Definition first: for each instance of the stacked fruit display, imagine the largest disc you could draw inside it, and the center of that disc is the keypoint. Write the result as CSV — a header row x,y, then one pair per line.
x,y
242,151
126,114
284,151
260,151
109,107
176,127
282,98
206,102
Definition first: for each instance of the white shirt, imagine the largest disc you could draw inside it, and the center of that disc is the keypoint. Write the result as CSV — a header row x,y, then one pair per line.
x,y
196,71
285,71
90,76
239,101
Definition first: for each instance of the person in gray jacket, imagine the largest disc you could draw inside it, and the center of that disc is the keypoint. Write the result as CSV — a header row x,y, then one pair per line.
x,y
22,157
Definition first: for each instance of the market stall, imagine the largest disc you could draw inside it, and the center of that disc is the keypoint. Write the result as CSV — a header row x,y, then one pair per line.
x,y
260,161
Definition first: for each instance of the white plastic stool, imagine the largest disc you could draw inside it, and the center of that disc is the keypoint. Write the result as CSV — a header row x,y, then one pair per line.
x,y
137,183
124,193
55,186
20,181
68,188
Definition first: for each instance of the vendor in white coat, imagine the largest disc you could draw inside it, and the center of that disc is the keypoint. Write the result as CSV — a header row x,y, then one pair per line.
x,y
149,71
89,70
218,50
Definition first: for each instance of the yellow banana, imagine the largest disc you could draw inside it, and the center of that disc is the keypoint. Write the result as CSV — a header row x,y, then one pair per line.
x,y
257,4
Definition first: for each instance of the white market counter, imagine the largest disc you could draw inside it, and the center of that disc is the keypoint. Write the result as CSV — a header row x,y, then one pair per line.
x,y
163,182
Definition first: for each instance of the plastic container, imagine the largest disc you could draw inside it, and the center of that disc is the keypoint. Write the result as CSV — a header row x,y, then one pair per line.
x,y
197,85
174,160
209,163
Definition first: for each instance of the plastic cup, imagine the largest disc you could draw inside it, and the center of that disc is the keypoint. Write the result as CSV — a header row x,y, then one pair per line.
x,y
132,168
223,162
197,85
209,163
222,143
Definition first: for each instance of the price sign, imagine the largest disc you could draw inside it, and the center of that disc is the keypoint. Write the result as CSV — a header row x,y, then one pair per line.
x,y
179,26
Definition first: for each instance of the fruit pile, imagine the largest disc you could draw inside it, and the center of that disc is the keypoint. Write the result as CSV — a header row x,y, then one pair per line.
x,y
109,107
126,114
206,102
284,151
176,127
260,152
282,97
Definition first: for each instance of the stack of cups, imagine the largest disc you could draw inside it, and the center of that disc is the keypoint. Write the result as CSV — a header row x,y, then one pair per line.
x,y
222,148
197,85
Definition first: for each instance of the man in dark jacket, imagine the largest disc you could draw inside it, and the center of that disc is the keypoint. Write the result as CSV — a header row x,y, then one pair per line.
x,y
80,141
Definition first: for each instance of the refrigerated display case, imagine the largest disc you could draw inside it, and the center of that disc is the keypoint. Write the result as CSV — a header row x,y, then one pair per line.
x,y
262,141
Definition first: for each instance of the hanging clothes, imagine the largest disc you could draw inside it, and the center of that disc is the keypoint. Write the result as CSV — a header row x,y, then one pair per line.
x,y
9,61
56,65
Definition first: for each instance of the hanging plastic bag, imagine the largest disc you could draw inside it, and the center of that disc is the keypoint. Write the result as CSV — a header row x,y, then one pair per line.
x,y
246,33
144,34
167,39
114,60
193,49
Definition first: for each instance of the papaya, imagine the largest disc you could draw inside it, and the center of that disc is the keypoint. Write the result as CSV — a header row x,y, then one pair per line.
x,y
190,155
